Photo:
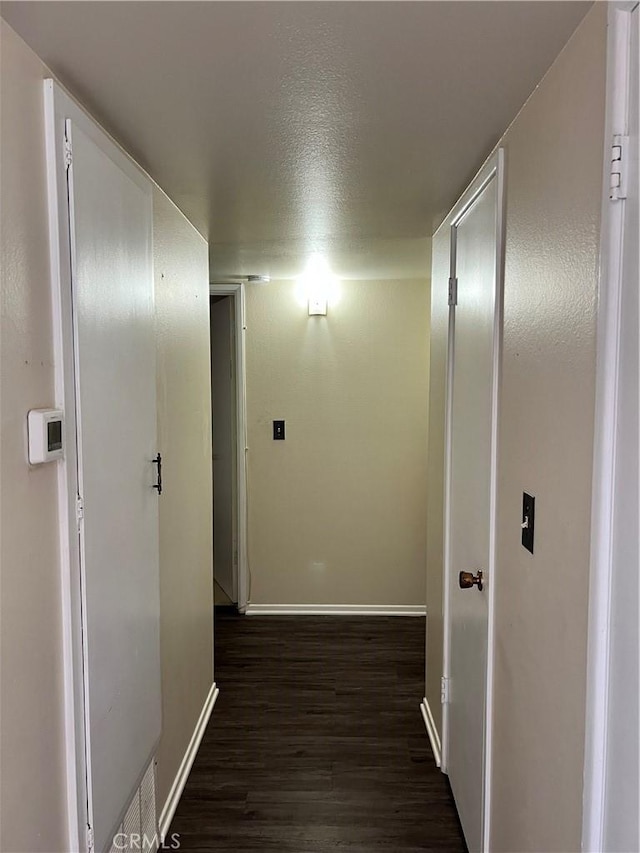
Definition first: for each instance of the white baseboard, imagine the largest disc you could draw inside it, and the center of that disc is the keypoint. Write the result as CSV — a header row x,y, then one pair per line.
x,y
336,610
170,806
432,731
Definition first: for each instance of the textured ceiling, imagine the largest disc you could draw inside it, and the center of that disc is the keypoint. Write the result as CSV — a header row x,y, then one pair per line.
x,y
281,128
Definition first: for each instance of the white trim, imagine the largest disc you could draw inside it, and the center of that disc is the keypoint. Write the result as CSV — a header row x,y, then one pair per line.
x,y
432,731
336,610
498,325
602,530
494,168
175,792
69,554
446,549
237,292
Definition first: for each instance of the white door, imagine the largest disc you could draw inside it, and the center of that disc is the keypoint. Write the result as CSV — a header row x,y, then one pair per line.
x,y
470,500
114,349
224,444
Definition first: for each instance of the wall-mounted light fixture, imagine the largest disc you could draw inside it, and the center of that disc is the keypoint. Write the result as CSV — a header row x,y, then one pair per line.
x,y
317,286
318,305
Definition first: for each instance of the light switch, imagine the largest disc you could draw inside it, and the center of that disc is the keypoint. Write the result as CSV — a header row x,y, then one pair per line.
x,y
528,519
278,430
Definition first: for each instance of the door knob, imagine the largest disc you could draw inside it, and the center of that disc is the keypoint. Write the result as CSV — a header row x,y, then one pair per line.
x,y
467,579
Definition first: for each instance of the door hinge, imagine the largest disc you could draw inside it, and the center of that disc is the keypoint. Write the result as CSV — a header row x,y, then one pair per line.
x,y
79,510
444,690
90,839
618,174
453,291
68,153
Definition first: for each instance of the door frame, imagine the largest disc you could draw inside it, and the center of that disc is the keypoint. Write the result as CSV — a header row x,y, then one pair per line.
x,y
236,290
58,107
493,169
609,333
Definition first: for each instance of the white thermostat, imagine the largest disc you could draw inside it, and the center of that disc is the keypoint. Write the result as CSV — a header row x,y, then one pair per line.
x,y
46,435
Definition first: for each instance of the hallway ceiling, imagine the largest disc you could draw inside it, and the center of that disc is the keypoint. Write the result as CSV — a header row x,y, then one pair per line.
x,y
282,128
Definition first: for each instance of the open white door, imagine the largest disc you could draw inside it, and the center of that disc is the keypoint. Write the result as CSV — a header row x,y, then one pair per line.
x,y
235,291
223,421
475,319
107,345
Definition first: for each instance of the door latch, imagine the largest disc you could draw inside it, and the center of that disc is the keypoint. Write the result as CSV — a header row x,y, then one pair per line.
x,y
158,483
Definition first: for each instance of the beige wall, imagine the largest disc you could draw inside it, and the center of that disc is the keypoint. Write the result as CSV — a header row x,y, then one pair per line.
x,y
554,153
181,270
336,511
32,792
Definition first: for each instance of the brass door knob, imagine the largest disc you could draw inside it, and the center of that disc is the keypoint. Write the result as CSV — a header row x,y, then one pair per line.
x,y
467,579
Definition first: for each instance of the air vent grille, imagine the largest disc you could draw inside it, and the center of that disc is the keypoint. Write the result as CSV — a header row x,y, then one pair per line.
x,y
139,830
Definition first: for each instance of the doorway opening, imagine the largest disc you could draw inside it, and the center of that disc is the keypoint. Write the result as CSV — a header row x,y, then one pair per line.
x,y
228,432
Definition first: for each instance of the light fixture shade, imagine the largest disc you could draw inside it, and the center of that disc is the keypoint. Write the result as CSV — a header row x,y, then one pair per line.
x,y
317,286
318,306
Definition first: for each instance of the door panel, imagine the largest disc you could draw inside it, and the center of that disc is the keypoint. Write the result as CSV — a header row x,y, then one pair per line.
x,y
114,350
470,503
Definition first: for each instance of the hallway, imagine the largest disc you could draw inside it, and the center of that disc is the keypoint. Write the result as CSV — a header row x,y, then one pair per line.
x,y
426,215
308,750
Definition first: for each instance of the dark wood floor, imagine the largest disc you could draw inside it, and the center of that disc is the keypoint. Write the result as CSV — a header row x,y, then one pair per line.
x,y
316,742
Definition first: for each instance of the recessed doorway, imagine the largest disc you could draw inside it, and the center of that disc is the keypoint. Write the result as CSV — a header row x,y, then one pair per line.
x,y
229,446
